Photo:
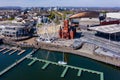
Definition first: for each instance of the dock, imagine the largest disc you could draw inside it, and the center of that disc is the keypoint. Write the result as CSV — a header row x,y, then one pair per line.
x,y
64,72
101,76
32,62
12,52
45,66
80,70
16,63
2,49
11,66
7,51
21,52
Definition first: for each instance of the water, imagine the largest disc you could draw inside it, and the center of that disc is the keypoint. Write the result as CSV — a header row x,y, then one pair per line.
x,y
53,72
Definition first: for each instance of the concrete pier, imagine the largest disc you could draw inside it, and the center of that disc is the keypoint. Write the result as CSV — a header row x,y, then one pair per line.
x,y
12,52
45,66
7,51
21,52
64,72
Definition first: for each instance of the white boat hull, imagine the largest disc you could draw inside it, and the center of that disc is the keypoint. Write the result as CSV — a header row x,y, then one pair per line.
x,y
62,62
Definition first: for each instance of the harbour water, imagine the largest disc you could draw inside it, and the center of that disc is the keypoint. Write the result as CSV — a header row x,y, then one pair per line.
x,y
24,72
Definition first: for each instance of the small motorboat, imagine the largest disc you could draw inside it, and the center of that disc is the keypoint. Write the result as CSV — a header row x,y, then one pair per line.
x,y
62,62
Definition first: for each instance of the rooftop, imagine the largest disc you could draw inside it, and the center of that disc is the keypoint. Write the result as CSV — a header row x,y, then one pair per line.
x,y
86,14
110,29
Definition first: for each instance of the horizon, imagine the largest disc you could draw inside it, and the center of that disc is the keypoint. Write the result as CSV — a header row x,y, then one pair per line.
x,y
61,3
62,6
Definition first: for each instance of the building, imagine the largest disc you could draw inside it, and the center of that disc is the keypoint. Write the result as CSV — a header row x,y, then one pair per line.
x,y
109,21
85,15
15,30
111,32
115,15
67,32
86,18
111,18
89,22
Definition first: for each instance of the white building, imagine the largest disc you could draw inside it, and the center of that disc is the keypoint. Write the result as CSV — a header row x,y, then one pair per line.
x,y
113,15
12,30
1,29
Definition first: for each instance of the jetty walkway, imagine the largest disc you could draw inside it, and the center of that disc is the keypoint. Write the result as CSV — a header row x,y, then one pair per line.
x,y
80,70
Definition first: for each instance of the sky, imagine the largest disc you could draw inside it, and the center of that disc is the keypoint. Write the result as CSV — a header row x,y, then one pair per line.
x,y
49,3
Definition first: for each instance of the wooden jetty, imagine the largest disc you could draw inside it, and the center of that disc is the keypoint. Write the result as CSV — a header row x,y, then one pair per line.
x,y
12,52
7,51
21,52
2,49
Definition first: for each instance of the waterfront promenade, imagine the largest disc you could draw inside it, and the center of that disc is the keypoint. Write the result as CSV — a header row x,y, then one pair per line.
x,y
106,59
53,47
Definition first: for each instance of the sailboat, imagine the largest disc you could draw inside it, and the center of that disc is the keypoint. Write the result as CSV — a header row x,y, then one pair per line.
x,y
62,62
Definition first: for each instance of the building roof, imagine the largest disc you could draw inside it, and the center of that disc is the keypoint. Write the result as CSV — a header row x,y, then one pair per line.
x,y
11,26
110,29
115,15
85,14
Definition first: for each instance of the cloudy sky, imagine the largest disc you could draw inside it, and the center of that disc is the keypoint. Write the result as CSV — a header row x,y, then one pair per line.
x,y
78,3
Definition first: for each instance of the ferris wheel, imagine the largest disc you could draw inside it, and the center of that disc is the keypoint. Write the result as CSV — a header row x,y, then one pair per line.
x,y
48,32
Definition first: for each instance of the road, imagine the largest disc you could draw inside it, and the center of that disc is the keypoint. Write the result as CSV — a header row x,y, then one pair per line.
x,y
110,45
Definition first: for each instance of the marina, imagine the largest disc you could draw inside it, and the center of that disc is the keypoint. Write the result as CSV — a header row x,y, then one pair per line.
x,y
59,41
32,60
2,49
21,52
13,52
80,70
15,63
7,51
